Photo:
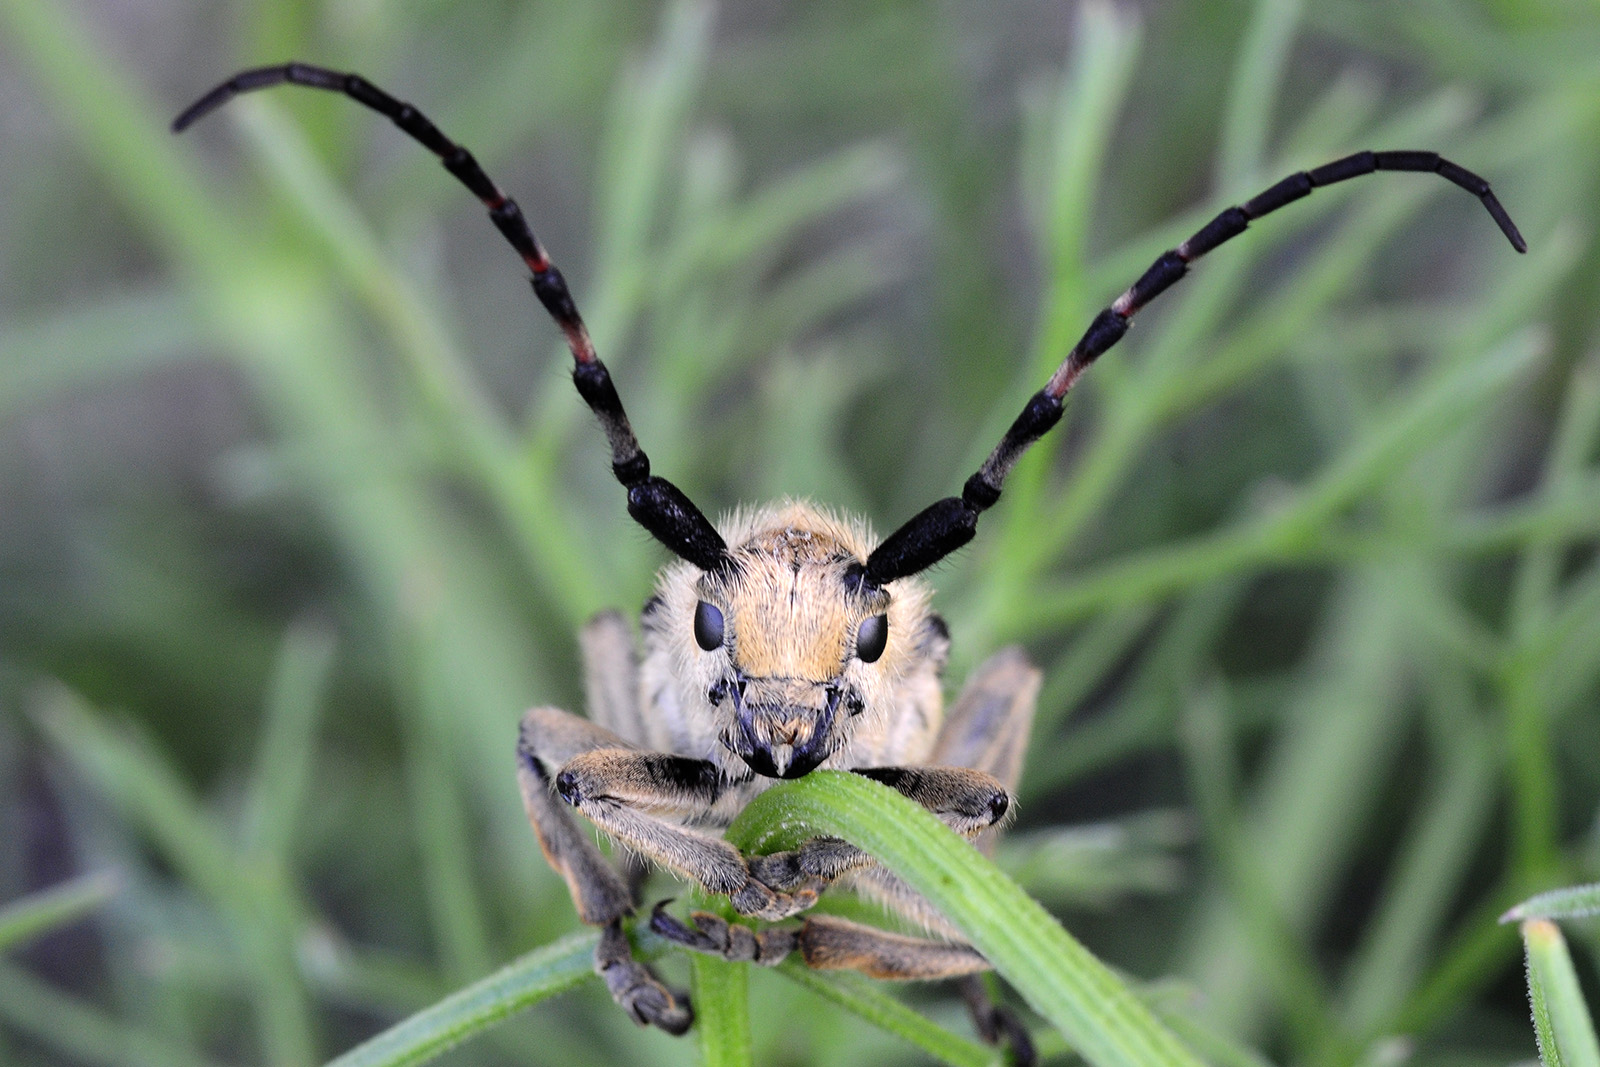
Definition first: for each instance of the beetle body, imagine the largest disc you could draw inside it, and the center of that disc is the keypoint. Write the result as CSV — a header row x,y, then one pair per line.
x,y
786,641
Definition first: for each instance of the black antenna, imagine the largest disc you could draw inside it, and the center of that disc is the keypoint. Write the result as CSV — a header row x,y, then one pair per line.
x,y
655,503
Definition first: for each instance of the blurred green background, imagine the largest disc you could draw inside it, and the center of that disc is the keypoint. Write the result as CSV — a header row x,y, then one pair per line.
x,y
298,513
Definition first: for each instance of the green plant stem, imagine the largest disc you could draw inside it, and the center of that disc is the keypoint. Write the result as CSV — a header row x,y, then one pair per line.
x,y
262,912
1535,623
286,755
1279,949
1255,86
721,1011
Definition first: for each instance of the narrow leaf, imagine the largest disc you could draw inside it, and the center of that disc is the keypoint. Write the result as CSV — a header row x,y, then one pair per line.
x,y
288,741
536,976
60,905
1574,902
1095,1010
1543,1029
80,1032
865,998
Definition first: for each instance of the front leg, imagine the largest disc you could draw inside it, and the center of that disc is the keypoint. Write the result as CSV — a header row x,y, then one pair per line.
x,y
625,792
602,897
561,757
966,800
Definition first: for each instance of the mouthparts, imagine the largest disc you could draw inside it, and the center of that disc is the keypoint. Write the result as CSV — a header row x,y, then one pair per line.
x,y
782,740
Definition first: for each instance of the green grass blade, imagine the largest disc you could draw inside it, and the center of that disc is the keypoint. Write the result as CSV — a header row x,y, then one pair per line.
x,y
81,1032
1428,872
260,910
444,384
1280,950
646,130
1256,79
60,905
1181,1005
1067,175
526,981
721,996
81,344
1096,1011
139,782
1311,791
867,999
282,772
1574,902
1410,426
1096,865
1561,1020
1544,1031
1144,717
122,132
439,816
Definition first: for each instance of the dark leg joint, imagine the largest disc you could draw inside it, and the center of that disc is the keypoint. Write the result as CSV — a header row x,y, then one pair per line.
x,y
997,1024
637,990
714,936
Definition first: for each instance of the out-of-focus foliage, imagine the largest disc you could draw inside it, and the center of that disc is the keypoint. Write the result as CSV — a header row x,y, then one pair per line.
x,y
298,513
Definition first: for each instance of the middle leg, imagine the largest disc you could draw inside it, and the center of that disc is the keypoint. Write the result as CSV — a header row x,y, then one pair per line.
x,y
826,943
548,737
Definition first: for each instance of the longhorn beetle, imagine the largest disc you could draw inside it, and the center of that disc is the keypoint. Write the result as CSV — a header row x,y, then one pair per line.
x,y
784,640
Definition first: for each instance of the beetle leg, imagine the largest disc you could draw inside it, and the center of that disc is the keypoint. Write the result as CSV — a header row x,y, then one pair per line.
x,y
548,737
625,792
636,988
715,936
825,942
966,800
611,677
829,943
987,728
601,895
996,1023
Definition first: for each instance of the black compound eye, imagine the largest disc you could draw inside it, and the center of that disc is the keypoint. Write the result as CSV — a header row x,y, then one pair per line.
x,y
871,636
708,626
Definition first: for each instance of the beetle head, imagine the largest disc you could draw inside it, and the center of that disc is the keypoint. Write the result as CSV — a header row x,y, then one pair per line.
x,y
786,648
